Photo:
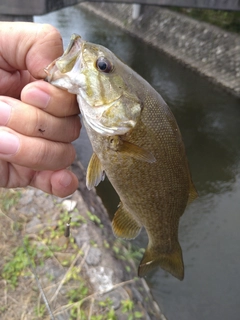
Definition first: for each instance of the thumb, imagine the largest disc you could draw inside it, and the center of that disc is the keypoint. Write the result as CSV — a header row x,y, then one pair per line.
x,y
31,47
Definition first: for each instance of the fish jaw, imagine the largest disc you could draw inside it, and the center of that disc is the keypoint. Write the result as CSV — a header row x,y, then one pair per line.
x,y
65,71
103,98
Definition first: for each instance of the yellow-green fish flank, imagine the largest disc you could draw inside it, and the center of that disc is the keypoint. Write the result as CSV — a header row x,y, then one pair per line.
x,y
136,143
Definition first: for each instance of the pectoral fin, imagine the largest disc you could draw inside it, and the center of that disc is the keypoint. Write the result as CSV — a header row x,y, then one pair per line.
x,y
136,152
124,225
130,149
95,172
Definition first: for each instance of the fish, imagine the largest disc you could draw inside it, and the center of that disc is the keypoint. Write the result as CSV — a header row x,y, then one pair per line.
x,y
136,143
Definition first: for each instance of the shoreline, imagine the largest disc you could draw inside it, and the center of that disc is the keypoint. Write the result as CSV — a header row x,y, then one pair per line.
x,y
204,48
92,258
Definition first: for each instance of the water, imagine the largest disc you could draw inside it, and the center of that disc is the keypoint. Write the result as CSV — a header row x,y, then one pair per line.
x,y
209,120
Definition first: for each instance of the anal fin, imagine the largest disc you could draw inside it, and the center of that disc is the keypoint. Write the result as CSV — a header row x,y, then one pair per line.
x,y
124,225
95,172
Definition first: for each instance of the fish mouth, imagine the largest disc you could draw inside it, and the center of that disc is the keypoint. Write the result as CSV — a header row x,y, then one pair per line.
x,y
74,72
70,60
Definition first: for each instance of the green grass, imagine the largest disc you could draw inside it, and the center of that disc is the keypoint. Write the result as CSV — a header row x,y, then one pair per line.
x,y
49,243
227,20
19,262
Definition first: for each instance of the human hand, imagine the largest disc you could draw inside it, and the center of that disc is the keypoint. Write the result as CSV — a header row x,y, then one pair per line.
x,y
38,121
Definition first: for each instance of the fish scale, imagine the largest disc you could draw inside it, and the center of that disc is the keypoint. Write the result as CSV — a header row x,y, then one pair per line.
x,y
137,143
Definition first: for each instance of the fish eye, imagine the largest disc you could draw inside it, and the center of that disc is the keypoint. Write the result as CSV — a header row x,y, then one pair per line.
x,y
104,65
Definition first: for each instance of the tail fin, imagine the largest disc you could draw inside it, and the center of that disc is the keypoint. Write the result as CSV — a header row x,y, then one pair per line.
x,y
171,262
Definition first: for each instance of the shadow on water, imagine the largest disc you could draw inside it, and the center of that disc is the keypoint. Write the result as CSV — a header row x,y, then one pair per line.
x,y
209,120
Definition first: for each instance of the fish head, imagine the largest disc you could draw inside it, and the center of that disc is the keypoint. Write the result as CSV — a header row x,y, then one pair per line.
x,y
101,83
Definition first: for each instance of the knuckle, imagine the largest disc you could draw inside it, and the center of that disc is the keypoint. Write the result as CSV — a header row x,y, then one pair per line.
x,y
73,127
41,155
53,155
76,128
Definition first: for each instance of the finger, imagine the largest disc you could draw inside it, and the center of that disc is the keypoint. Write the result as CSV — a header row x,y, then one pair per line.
x,y
11,83
34,122
32,47
34,153
61,183
53,100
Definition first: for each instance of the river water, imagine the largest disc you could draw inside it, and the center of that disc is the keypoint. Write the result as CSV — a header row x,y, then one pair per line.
x,y
209,120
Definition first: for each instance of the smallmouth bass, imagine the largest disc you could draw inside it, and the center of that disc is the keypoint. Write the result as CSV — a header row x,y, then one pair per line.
x,y
136,142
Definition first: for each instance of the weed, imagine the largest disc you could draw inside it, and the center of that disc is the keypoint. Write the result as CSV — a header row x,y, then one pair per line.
x,y
228,20
9,199
132,253
20,260
128,268
40,310
95,219
2,309
79,293
127,307
76,295
107,312
106,244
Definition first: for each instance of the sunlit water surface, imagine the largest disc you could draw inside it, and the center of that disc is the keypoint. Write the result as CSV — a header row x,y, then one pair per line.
x,y
209,120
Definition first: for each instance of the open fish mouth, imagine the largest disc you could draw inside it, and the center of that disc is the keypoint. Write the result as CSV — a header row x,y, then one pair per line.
x,y
87,70
62,70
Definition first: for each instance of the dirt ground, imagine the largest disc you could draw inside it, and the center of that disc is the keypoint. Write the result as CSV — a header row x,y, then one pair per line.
x,y
88,275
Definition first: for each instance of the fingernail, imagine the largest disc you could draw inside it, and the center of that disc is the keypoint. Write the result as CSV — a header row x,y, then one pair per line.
x,y
37,98
9,143
5,111
65,179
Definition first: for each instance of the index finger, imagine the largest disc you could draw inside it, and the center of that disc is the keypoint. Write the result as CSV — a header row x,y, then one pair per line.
x,y
53,100
29,46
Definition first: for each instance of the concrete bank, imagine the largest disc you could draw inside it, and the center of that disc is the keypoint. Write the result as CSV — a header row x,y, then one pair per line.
x,y
92,270
206,49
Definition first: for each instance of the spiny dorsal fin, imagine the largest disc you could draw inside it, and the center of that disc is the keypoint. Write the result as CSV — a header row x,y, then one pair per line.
x,y
136,152
124,225
95,173
171,262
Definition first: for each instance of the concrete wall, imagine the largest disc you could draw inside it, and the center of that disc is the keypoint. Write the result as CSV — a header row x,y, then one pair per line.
x,y
208,50
38,7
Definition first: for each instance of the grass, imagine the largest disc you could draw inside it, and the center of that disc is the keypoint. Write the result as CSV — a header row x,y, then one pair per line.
x,y
227,20
72,294
18,264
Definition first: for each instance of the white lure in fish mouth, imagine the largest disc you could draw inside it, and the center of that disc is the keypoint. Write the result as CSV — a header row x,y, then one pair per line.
x,y
88,71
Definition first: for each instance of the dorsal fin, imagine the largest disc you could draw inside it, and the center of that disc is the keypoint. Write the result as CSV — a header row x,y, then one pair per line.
x,y
95,172
124,225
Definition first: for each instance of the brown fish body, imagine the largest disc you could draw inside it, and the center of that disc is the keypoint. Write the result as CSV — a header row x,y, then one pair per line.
x,y
137,143
154,194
